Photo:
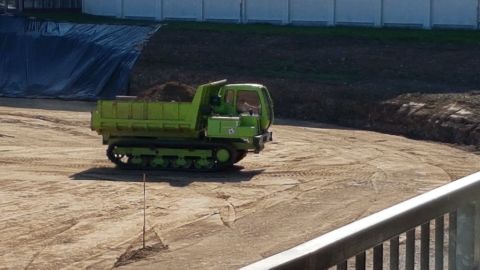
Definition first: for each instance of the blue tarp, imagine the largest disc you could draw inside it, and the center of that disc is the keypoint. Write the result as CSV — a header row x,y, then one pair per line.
x,y
65,60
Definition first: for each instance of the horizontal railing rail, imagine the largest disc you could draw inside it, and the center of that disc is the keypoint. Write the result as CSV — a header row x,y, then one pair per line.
x,y
457,199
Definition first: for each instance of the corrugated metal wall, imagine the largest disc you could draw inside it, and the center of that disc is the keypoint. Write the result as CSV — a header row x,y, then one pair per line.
x,y
411,13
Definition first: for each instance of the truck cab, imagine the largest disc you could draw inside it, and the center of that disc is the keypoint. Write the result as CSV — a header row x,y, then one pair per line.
x,y
242,111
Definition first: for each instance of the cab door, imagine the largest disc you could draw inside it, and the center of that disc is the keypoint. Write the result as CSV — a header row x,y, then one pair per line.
x,y
255,107
248,103
249,109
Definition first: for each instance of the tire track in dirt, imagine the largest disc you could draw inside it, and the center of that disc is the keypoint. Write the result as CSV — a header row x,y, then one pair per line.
x,y
53,238
51,119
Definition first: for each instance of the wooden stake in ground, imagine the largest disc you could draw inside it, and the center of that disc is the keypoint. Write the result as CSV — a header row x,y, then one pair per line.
x,y
144,208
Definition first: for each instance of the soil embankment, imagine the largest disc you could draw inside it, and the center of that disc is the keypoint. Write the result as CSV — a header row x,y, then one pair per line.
x,y
441,117
353,81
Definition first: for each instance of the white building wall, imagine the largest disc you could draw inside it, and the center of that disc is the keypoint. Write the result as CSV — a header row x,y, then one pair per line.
x,y
100,7
417,13
312,11
460,13
360,12
275,11
222,10
182,9
406,13
139,8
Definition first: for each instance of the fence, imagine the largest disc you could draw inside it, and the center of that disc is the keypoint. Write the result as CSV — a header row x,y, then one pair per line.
x,y
49,4
405,13
7,6
458,200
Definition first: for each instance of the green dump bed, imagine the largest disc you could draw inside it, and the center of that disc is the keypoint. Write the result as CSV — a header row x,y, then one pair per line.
x,y
152,118
124,115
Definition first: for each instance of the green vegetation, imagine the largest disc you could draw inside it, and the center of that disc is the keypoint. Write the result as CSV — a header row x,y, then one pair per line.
x,y
75,17
382,34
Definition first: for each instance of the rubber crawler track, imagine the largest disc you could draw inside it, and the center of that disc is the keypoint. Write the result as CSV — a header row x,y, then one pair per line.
x,y
235,156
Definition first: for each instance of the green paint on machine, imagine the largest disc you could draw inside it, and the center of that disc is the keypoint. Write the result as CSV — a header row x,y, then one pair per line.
x,y
221,124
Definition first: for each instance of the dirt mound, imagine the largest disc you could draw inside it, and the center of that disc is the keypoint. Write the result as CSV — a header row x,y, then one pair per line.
x,y
136,252
170,91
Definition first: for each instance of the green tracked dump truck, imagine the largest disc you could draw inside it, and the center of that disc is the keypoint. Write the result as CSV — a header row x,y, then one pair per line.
x,y
216,130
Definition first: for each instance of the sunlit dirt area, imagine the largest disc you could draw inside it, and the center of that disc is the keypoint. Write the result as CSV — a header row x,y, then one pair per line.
x,y
63,205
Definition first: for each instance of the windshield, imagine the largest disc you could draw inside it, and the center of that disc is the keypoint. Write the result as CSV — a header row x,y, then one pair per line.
x,y
248,102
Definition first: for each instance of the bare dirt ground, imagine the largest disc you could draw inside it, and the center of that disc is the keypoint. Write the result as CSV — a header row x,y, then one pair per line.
x,y
63,205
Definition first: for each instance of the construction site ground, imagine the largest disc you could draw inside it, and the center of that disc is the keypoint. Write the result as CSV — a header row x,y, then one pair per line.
x,y
63,205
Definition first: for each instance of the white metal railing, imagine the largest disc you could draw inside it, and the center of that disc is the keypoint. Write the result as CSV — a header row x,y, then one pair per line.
x,y
456,202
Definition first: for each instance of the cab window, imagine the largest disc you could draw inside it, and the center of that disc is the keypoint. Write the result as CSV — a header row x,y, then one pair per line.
x,y
229,97
248,102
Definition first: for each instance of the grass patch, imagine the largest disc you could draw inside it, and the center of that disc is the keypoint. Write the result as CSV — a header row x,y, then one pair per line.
x,y
76,17
382,34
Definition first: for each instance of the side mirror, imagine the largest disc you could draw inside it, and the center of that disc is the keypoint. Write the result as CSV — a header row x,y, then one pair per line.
x,y
215,101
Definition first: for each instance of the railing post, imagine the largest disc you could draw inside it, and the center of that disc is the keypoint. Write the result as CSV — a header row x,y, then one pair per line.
x,y
465,253
476,259
452,240
378,257
410,250
360,261
425,246
439,242
394,252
